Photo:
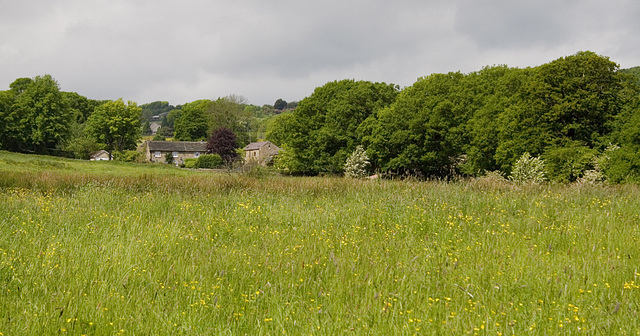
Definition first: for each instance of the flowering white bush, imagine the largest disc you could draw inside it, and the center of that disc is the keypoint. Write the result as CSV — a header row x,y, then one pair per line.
x,y
596,175
528,169
592,177
357,165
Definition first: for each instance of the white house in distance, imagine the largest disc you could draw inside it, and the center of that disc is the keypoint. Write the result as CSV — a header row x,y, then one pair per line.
x,y
101,155
155,151
260,152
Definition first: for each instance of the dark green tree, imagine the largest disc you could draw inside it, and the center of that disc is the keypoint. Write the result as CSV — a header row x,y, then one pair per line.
x,y
80,106
280,104
36,116
20,85
634,74
154,109
80,144
230,112
281,128
574,99
146,128
490,93
192,125
422,132
115,125
322,131
6,100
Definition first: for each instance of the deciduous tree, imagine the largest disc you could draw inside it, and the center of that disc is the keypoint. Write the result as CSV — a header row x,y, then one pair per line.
x,y
193,125
322,131
223,142
116,125
36,116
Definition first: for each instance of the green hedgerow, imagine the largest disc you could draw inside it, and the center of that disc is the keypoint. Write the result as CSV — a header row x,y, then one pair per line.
x,y
209,161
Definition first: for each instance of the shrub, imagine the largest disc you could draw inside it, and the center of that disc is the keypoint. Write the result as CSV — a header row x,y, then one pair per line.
x,y
621,164
168,158
528,169
255,171
600,162
190,163
128,156
209,161
592,177
568,163
357,165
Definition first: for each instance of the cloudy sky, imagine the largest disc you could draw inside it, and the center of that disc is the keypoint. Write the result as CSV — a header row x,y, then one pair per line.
x,y
180,51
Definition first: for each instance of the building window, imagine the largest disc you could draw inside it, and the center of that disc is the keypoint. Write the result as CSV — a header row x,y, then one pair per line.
x,y
158,154
196,154
175,154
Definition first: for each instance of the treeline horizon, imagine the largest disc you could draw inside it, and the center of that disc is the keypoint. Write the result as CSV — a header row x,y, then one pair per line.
x,y
567,112
578,113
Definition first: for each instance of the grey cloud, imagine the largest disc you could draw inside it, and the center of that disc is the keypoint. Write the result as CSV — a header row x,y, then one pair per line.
x,y
148,50
507,23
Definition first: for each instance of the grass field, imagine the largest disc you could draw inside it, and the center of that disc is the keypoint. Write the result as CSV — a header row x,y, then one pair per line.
x,y
104,248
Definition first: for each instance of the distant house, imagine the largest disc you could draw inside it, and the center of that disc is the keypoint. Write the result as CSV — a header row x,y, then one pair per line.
x,y
101,155
260,152
154,126
155,151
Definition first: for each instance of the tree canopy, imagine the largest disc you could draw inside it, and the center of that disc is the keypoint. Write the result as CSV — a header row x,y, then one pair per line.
x,y
223,142
115,125
35,116
322,131
193,124
565,112
577,113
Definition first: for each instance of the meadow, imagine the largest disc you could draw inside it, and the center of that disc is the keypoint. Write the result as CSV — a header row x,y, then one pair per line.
x,y
105,248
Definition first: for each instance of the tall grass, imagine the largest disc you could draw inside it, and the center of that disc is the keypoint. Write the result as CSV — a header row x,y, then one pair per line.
x,y
225,254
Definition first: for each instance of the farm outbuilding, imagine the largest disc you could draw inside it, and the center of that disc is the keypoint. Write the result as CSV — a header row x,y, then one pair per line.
x,y
260,152
101,155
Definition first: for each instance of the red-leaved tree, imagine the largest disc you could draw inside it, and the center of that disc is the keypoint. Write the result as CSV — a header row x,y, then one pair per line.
x,y
223,142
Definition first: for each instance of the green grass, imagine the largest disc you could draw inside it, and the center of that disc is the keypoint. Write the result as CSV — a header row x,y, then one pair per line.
x,y
138,249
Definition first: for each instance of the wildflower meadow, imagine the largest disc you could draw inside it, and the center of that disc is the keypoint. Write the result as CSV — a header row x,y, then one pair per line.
x,y
101,248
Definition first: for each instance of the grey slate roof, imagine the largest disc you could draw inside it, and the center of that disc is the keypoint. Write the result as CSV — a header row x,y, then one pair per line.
x,y
177,146
255,145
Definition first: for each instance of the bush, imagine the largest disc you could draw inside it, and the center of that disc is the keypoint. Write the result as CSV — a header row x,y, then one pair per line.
x,y
209,161
190,163
621,164
528,169
255,171
357,165
168,158
568,163
128,156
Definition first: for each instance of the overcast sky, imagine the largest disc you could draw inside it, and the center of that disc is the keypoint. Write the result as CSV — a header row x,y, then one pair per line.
x,y
180,51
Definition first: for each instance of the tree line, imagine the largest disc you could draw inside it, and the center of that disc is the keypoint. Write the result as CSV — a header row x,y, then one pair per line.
x,y
38,117
576,113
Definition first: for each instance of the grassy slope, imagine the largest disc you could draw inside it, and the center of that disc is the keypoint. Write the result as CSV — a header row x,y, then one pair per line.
x,y
20,163
104,248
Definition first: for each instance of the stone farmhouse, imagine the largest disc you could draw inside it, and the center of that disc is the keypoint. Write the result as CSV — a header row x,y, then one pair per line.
x,y
155,151
260,152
